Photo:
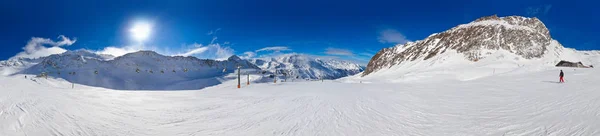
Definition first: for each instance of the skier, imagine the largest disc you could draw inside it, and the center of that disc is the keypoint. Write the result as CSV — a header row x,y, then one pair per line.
x,y
561,75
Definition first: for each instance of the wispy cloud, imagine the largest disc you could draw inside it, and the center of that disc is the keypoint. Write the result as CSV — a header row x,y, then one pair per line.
x,y
198,50
274,49
120,51
211,51
361,58
392,36
37,47
538,10
248,55
213,32
366,54
339,52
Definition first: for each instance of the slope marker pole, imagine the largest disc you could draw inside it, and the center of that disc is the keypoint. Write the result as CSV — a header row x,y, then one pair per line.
x,y
238,77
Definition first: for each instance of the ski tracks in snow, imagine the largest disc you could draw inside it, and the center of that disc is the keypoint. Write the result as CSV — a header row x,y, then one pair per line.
x,y
502,105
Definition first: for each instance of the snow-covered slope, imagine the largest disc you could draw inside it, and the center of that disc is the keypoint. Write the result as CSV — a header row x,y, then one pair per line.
x,y
524,104
306,67
144,70
484,47
15,65
147,70
90,55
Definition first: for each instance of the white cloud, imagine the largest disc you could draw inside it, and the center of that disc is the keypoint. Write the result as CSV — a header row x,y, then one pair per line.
x,y
211,51
538,10
36,47
213,32
248,55
274,49
392,36
547,9
196,50
531,11
213,40
114,51
220,52
120,51
339,52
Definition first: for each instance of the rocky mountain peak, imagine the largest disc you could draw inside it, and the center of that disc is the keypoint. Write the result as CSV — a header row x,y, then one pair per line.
x,y
525,37
234,58
512,22
492,17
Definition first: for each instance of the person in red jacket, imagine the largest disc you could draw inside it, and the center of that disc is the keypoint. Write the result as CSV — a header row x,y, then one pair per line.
x,y
561,75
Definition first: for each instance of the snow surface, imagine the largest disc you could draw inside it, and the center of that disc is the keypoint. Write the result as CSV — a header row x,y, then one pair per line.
x,y
452,65
514,103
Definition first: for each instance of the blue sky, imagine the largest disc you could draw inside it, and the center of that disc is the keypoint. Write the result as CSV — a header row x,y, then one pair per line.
x,y
351,30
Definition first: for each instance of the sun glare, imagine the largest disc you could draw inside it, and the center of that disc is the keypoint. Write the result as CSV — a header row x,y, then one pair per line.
x,y
140,31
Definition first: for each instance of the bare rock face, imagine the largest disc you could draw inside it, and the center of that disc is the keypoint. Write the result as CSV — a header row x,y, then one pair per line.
x,y
526,37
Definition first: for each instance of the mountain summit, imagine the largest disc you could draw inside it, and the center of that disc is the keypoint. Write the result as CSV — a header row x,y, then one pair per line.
x,y
525,37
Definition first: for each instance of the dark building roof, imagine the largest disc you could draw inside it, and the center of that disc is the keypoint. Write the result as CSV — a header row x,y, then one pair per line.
x,y
571,64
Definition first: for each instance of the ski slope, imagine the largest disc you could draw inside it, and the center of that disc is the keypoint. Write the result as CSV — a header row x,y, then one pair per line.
x,y
503,104
452,65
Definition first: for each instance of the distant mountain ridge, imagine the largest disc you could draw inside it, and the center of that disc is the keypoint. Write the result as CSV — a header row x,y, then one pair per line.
x,y
143,70
148,70
306,67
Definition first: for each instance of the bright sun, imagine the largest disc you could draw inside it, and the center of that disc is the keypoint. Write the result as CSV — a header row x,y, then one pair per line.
x,y
140,31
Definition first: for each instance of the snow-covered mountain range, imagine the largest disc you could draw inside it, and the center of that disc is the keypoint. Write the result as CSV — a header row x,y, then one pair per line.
x,y
143,70
148,70
492,44
307,67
